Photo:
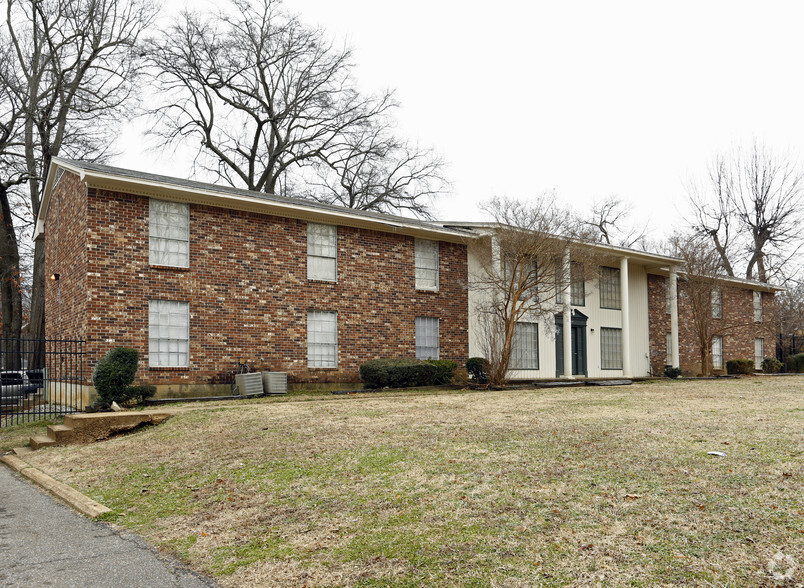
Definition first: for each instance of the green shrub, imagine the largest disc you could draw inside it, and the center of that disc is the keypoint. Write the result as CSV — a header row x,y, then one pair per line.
x,y
795,363
671,372
771,365
446,370
740,366
114,374
478,368
398,373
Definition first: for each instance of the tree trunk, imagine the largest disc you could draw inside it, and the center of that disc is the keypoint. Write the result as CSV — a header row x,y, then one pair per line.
x,y
37,321
10,286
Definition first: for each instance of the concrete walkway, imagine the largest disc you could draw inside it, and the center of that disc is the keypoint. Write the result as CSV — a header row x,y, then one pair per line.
x,y
44,543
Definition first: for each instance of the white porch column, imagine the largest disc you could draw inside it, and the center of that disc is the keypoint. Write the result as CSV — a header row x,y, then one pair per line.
x,y
567,314
626,320
674,316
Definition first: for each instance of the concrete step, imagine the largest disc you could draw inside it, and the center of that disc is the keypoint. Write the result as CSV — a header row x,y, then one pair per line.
x,y
62,434
41,441
20,451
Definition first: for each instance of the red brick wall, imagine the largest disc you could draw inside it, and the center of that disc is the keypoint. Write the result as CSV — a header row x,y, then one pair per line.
x,y
66,255
737,326
249,294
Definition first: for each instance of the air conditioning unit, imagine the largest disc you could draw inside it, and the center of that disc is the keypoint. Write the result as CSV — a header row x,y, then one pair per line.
x,y
275,382
248,384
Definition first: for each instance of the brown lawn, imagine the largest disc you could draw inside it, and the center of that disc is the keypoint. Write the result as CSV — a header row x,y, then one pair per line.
x,y
589,486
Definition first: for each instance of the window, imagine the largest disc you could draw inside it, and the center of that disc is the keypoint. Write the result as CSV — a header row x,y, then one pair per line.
x,y
759,352
426,338
322,252
168,333
669,343
528,276
717,303
668,303
426,264
610,288
322,339
169,231
611,348
757,307
525,347
717,352
577,285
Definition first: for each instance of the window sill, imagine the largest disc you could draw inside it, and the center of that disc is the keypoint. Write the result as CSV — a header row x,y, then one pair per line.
x,y
609,308
174,268
322,280
168,369
323,369
431,290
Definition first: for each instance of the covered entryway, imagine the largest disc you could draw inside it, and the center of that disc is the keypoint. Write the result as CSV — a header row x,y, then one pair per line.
x,y
578,344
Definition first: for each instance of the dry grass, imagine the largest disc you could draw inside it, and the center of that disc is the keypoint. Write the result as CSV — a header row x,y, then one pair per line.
x,y
589,486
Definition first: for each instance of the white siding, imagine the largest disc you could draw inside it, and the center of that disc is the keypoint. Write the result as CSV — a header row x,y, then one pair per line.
x,y
598,318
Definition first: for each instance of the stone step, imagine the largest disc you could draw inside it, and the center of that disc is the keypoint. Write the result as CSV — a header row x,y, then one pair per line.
x,y
18,451
62,434
41,441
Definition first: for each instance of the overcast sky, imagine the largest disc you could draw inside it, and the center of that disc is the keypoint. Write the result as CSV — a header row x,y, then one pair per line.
x,y
587,98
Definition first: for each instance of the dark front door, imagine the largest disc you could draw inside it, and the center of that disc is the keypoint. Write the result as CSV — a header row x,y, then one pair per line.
x,y
578,344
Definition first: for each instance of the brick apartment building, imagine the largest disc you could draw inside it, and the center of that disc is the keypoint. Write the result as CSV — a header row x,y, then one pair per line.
x,y
198,276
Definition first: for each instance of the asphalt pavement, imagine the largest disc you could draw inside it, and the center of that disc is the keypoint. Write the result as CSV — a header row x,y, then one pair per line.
x,y
45,543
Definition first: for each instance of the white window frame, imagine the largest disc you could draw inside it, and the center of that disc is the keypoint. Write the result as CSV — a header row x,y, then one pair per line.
x,y
322,252
669,345
425,337
171,236
525,347
758,317
759,352
577,286
426,265
167,341
611,358
717,352
717,303
609,288
322,339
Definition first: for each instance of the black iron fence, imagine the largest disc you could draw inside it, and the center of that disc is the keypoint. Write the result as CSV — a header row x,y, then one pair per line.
x,y
40,379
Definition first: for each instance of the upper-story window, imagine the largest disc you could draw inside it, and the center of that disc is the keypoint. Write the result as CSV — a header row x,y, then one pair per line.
x,y
426,264
717,303
169,231
322,252
757,306
610,288
577,285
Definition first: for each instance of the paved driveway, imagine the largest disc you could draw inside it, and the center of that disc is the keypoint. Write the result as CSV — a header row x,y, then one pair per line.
x,y
44,543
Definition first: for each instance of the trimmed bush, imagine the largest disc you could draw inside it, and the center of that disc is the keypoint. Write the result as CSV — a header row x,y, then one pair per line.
x,y
671,372
478,368
114,374
740,366
446,370
771,365
398,373
795,363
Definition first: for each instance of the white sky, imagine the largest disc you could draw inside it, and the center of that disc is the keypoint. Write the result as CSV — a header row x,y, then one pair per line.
x,y
588,98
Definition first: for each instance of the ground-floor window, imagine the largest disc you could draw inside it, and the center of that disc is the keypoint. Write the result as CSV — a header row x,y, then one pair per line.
x,y
669,344
611,348
168,333
525,347
426,338
717,352
322,339
759,352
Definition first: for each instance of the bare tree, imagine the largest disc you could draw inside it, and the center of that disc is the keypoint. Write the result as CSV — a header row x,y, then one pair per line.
x,y
378,171
751,203
77,61
522,271
12,174
702,286
608,223
266,97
